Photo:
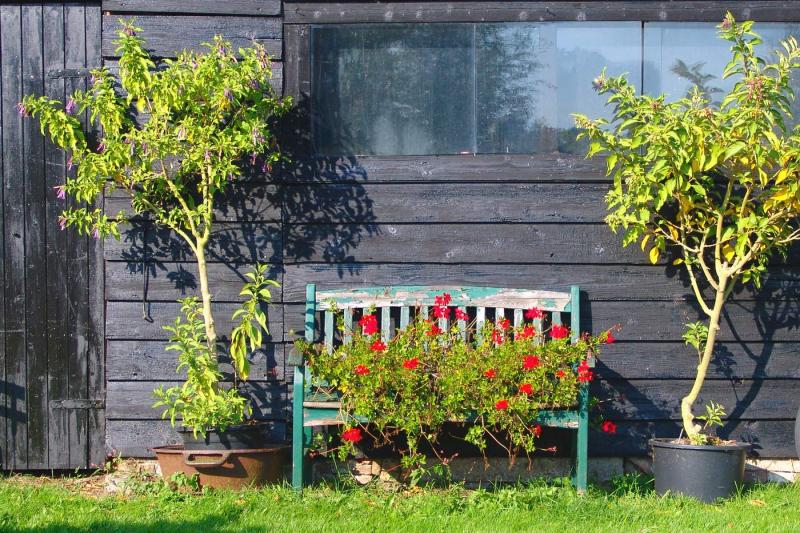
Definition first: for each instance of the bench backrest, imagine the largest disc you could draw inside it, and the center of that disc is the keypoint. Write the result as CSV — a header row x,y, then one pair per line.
x,y
479,302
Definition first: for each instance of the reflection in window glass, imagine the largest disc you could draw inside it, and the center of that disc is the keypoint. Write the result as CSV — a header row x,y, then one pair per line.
x,y
678,56
394,89
398,89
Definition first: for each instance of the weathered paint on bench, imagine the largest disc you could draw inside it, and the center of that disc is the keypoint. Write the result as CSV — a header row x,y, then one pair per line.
x,y
310,409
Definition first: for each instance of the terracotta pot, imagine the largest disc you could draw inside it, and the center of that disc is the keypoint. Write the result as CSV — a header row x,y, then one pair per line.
x,y
225,469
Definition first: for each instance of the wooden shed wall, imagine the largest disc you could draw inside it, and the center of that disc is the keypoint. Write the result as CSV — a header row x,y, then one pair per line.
x,y
519,221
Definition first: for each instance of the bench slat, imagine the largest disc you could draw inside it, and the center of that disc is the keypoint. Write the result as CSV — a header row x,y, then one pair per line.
x,y
329,331
461,296
480,319
348,326
405,314
462,324
386,333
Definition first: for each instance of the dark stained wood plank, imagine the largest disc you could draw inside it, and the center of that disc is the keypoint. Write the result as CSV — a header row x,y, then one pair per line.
x,y
96,288
5,100
450,202
230,242
663,321
14,248
56,263
124,320
297,78
78,264
201,7
457,243
130,400
635,399
673,360
135,438
749,321
597,282
768,438
137,360
711,11
35,194
166,35
165,281
248,202
504,168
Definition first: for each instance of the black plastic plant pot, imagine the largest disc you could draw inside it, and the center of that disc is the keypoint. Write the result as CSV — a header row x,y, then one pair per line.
x,y
243,437
707,473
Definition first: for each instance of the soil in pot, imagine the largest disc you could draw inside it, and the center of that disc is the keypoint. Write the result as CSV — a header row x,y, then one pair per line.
x,y
707,472
242,437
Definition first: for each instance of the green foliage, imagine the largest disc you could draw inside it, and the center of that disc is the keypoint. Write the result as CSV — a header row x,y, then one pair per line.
x,y
425,376
696,335
720,183
200,401
172,138
248,334
717,184
713,417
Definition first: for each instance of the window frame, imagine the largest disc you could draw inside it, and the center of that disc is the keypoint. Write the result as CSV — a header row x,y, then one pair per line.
x,y
299,17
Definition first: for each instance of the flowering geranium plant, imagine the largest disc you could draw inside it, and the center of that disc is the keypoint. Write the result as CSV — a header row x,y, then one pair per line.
x,y
497,377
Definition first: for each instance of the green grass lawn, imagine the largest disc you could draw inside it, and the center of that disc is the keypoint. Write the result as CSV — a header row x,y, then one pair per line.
x,y
27,504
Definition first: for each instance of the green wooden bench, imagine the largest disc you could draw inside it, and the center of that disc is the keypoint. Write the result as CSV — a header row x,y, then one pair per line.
x,y
310,411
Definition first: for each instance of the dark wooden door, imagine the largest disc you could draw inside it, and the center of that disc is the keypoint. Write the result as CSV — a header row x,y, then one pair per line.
x,y
51,303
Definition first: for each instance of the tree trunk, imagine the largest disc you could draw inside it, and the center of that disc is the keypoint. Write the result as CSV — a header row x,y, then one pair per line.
x,y
689,426
208,317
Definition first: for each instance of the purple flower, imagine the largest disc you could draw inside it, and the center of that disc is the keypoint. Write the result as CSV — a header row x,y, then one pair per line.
x,y
253,157
181,133
101,147
69,163
22,110
255,84
228,94
70,107
62,223
61,193
221,50
96,233
265,167
94,79
257,137
207,156
128,30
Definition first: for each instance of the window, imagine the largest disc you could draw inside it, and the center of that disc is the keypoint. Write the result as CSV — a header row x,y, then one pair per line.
x,y
454,88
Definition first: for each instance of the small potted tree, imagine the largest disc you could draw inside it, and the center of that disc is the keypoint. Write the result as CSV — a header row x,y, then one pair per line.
x,y
719,186
174,138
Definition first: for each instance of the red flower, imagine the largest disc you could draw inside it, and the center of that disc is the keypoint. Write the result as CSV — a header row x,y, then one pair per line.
x,y
537,430
497,337
369,324
441,312
526,388
504,323
361,370
530,362
443,300
490,373
502,405
561,374
435,330
411,364
352,435
610,338
533,313
526,333
378,346
609,427
559,332
461,315
586,376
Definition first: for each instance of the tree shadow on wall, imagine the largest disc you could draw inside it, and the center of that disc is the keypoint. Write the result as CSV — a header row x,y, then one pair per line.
x,y
308,209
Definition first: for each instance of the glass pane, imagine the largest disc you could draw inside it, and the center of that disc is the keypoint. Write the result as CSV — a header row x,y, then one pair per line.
x,y
394,89
533,77
678,56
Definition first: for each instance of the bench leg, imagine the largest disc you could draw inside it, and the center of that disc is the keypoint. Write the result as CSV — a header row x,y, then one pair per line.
x,y
298,431
582,442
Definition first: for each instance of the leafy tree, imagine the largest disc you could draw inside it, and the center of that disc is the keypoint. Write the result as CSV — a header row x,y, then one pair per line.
x,y
719,183
173,139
